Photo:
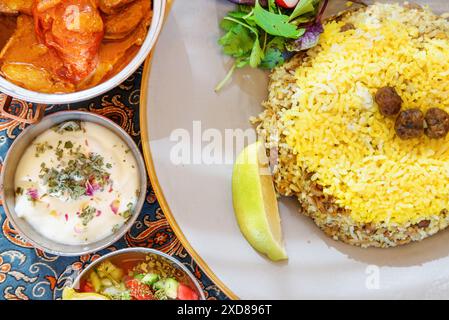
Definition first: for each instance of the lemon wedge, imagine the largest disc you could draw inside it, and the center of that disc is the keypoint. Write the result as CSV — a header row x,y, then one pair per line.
x,y
71,294
255,203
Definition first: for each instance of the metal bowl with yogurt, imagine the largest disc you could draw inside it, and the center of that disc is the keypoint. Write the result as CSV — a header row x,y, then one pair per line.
x,y
21,146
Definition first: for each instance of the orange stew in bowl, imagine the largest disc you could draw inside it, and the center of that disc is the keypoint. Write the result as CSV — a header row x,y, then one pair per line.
x,y
146,279
57,46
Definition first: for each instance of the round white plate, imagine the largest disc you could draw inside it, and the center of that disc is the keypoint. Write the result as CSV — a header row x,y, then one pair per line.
x,y
178,97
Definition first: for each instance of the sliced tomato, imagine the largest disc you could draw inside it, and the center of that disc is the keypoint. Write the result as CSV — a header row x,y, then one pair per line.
x,y
185,293
138,290
87,287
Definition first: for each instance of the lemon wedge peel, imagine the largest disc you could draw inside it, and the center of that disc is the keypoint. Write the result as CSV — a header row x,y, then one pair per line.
x,y
255,203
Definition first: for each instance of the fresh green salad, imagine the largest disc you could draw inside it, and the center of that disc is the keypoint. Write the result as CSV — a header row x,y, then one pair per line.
x,y
264,34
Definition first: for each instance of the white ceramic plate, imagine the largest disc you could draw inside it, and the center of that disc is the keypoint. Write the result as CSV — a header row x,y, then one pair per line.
x,y
197,198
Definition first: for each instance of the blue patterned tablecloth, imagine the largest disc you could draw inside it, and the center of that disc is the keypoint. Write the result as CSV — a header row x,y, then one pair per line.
x,y
28,273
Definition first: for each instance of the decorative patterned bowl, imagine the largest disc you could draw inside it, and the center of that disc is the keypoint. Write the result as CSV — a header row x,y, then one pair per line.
x,y
170,265
43,98
9,170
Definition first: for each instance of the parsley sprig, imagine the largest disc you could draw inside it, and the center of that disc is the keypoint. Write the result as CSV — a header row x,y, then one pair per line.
x,y
262,38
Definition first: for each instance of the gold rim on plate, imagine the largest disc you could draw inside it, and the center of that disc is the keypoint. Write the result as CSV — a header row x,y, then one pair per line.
x,y
155,182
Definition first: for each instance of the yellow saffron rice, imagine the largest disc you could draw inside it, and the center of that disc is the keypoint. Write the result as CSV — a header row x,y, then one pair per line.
x,y
337,133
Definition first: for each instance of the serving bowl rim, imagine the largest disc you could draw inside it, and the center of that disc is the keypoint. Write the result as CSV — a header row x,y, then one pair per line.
x,y
46,124
144,250
151,37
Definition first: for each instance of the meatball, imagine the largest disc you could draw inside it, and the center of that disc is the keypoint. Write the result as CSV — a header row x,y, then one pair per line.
x,y
409,124
437,121
348,26
389,101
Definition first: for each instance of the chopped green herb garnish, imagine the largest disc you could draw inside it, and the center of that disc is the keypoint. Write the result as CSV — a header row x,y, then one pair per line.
x,y
68,145
160,295
59,152
87,214
115,228
78,177
41,147
70,126
19,191
129,211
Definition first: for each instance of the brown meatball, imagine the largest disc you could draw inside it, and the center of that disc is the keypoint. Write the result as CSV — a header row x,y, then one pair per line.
x,y
409,124
437,121
389,101
348,26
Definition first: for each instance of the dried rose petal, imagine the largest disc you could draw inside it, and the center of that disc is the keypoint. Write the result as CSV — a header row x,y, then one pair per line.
x,y
89,189
91,186
32,193
115,206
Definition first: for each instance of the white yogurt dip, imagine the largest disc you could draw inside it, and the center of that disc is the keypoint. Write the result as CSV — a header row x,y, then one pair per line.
x,y
77,183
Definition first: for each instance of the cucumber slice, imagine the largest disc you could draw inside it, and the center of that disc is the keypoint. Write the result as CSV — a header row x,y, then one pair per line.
x,y
169,285
150,278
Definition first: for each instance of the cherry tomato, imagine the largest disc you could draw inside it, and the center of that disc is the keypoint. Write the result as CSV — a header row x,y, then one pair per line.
x,y
185,293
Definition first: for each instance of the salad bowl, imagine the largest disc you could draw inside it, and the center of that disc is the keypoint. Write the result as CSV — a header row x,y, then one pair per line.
x,y
128,256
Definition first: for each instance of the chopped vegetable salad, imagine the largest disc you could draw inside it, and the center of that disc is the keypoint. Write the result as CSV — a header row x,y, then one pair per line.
x,y
146,279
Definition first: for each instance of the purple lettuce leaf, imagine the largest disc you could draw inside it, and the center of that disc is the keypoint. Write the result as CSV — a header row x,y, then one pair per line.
x,y
308,40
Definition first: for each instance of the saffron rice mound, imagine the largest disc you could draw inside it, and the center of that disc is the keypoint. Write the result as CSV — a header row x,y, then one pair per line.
x,y
336,153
